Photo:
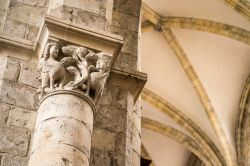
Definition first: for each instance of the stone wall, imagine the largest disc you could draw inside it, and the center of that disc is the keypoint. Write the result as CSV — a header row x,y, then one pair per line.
x,y
126,17
22,18
117,130
18,103
117,133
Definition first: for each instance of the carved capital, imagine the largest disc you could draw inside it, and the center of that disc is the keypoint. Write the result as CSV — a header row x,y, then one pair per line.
x,y
73,67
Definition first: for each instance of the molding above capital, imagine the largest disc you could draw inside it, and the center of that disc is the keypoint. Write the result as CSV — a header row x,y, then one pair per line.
x,y
132,81
58,29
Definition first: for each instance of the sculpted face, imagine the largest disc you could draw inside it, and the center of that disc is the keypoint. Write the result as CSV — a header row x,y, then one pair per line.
x,y
101,65
54,50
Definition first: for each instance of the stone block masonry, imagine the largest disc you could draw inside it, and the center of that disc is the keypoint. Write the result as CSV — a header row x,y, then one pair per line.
x,y
17,111
114,137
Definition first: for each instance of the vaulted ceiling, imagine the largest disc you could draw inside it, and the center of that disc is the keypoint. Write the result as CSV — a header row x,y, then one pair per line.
x,y
197,57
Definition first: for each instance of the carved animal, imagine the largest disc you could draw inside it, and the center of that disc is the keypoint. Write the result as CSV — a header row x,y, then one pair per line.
x,y
53,72
77,59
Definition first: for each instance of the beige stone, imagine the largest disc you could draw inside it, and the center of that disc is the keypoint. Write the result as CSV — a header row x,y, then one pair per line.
x,y
62,135
58,155
125,21
111,92
11,160
19,95
26,14
103,140
72,110
22,118
131,7
14,140
29,69
12,69
63,129
14,29
90,12
4,112
126,61
111,118
3,4
100,157
31,32
130,40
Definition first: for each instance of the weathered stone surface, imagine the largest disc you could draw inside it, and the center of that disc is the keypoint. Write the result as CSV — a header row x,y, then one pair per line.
x,y
42,3
14,140
91,21
66,105
134,139
100,158
130,40
29,74
134,159
19,95
22,118
125,21
97,7
136,122
31,32
3,4
113,92
14,28
2,20
4,112
120,149
126,61
111,118
2,66
103,139
14,52
58,155
64,131
131,7
82,18
100,8
12,69
26,14
10,160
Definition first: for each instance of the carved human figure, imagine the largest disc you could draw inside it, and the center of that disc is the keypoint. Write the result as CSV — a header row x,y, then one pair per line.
x,y
98,77
52,71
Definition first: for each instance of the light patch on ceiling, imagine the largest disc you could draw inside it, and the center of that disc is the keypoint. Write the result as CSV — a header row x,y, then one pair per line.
x,y
215,10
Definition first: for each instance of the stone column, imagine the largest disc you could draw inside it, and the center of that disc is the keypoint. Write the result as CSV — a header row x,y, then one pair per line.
x,y
63,130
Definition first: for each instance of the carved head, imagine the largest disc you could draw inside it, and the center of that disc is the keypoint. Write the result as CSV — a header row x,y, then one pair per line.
x,y
51,50
102,64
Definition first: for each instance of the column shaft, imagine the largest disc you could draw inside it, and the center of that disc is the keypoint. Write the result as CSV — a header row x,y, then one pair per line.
x,y
63,130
